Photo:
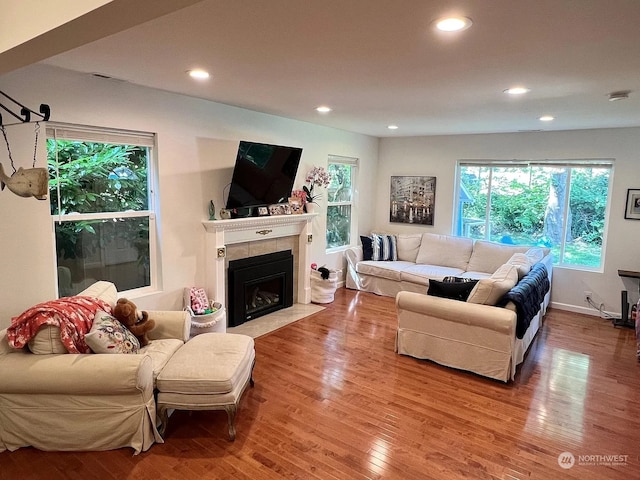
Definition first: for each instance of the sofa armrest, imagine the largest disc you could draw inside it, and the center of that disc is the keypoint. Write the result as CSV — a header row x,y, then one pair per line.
x,y
486,316
81,374
353,256
170,324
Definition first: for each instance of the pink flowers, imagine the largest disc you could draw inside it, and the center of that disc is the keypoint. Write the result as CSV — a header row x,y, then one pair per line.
x,y
319,177
301,194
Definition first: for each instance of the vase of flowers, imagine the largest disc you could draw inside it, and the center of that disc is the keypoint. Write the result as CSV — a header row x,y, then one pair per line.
x,y
317,177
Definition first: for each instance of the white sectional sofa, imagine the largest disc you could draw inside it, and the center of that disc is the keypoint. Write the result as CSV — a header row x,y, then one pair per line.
x,y
483,338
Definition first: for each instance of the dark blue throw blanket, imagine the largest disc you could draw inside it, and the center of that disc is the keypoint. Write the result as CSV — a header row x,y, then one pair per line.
x,y
527,296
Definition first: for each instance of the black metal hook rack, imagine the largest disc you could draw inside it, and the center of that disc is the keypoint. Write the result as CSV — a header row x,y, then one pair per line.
x,y
25,112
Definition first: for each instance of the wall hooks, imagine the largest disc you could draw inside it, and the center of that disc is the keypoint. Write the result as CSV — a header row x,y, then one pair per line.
x,y
25,112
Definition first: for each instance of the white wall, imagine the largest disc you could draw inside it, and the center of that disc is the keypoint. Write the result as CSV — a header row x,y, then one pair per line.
x,y
197,143
437,156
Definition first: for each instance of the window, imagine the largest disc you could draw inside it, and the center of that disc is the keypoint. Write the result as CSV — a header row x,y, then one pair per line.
x,y
341,193
558,204
101,207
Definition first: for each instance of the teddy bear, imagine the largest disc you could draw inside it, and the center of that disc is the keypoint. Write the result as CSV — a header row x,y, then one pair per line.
x,y
138,322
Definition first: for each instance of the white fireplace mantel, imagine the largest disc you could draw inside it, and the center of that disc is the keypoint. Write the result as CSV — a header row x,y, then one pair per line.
x,y
221,233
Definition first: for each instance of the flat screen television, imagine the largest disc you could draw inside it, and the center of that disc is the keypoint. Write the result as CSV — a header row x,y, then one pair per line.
x,y
263,175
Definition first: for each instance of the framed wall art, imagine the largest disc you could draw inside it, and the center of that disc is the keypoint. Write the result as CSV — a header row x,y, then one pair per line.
x,y
413,200
632,211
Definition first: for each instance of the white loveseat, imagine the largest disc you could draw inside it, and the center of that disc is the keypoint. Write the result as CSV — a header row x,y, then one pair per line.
x,y
59,401
476,337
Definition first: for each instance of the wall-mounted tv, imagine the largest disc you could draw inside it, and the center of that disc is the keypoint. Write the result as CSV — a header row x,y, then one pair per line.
x,y
263,175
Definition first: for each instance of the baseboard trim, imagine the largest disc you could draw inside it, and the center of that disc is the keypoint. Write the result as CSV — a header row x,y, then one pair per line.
x,y
583,310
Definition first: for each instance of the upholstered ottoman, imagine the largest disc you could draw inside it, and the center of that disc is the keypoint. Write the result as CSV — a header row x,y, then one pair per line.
x,y
209,372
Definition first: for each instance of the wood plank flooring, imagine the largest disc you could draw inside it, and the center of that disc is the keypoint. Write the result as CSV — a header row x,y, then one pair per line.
x,y
333,401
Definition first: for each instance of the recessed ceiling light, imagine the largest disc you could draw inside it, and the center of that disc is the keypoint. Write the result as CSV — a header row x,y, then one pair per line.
x,y
517,90
323,109
453,24
198,73
547,118
392,127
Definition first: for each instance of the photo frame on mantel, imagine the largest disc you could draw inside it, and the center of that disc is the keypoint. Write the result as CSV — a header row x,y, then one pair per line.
x,y
632,209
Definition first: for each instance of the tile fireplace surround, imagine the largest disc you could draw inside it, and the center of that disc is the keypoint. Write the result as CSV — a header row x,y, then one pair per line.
x,y
244,237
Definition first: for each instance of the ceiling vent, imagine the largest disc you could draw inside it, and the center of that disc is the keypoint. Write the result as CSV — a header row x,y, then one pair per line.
x,y
103,76
620,95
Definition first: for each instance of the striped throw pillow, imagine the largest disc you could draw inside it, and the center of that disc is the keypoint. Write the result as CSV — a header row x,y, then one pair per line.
x,y
384,247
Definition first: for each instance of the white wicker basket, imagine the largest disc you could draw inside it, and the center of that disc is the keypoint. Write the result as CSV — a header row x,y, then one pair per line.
x,y
208,322
323,290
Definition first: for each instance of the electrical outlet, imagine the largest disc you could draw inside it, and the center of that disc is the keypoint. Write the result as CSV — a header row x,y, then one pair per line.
x,y
587,295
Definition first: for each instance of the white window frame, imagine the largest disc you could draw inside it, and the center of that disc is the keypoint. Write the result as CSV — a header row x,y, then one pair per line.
x,y
64,131
569,163
353,162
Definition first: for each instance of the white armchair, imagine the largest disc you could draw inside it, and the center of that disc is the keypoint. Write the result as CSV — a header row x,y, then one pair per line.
x,y
86,401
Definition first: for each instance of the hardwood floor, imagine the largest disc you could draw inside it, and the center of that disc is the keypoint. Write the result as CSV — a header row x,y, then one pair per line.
x,y
333,401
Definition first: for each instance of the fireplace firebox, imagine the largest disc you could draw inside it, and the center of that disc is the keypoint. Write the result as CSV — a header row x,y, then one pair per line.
x,y
259,285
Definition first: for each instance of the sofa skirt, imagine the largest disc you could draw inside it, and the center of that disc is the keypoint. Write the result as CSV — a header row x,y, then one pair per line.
x,y
77,422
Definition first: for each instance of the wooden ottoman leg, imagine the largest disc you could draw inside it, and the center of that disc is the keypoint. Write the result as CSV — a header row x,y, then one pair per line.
x,y
163,413
231,414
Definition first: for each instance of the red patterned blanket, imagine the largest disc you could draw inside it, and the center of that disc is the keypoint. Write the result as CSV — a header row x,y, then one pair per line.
x,y
74,316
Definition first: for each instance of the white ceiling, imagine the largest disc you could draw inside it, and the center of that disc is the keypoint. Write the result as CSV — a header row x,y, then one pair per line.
x,y
379,62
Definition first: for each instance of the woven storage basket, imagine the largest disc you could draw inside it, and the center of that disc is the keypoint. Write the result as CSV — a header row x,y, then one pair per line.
x,y
207,323
323,291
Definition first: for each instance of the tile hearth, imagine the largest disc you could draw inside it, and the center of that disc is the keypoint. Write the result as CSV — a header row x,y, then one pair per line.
x,y
273,321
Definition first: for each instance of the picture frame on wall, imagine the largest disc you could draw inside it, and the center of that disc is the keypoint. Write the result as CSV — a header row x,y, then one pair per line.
x,y
413,199
632,210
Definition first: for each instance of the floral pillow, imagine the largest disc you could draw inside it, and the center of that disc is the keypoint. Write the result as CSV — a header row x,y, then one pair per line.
x,y
108,335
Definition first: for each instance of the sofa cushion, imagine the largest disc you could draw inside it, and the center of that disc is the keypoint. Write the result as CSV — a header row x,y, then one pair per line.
x,y
384,247
488,291
108,335
445,250
535,254
47,340
421,274
105,291
476,275
489,256
390,270
453,290
160,351
367,247
521,261
212,363
408,246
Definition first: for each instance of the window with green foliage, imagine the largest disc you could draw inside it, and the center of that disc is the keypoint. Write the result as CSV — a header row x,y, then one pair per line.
x,y
101,207
340,224
558,204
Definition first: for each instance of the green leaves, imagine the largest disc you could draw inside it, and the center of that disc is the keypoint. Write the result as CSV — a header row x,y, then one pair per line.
x,y
96,177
